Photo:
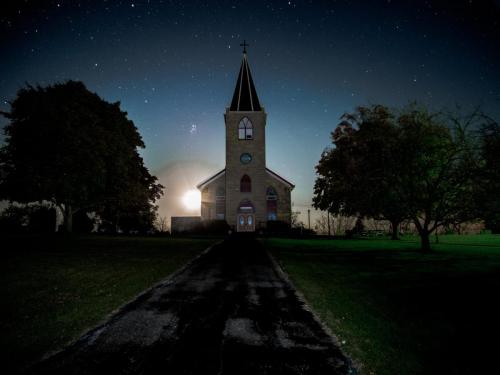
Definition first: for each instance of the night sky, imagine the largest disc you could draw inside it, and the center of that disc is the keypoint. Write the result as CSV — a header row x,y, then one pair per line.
x,y
173,66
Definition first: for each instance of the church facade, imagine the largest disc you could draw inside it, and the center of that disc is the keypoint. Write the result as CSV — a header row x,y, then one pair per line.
x,y
246,194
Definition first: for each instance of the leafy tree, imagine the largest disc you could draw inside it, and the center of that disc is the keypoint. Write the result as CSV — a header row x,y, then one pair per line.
x,y
438,168
356,176
66,145
417,164
130,206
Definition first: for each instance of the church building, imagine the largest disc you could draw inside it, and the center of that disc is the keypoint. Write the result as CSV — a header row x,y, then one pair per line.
x,y
246,194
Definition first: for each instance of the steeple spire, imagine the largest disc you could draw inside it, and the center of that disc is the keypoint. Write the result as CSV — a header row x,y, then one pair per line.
x,y
245,96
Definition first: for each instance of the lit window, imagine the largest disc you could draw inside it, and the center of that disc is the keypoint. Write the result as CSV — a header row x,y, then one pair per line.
x,y
245,184
245,129
246,207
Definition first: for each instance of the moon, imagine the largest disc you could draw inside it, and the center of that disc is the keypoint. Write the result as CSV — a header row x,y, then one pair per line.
x,y
192,199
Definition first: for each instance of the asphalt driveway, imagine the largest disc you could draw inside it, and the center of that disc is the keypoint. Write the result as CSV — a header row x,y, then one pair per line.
x,y
229,312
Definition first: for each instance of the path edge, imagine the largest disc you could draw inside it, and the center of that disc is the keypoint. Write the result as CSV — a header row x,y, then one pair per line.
x,y
354,366
116,312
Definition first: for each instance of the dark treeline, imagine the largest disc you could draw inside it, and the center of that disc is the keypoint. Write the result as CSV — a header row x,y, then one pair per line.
x,y
66,147
433,168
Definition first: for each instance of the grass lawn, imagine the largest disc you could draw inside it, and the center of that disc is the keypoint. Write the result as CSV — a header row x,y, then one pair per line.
x,y
398,311
53,288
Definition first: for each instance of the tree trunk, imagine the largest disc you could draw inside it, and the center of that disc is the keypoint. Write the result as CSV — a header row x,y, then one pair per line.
x,y
425,243
394,226
68,218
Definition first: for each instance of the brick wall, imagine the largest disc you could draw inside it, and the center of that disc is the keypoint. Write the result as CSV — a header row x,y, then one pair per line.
x,y
256,169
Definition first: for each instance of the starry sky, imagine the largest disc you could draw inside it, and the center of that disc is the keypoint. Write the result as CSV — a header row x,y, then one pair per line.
x,y
173,66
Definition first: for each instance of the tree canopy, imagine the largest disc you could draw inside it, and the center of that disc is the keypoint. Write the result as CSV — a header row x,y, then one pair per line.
x,y
396,165
355,177
66,145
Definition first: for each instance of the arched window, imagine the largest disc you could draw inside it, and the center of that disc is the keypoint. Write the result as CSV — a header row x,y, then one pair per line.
x,y
271,193
245,184
272,204
245,129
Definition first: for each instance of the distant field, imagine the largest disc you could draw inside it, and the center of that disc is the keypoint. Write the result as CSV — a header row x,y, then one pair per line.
x,y
398,311
53,288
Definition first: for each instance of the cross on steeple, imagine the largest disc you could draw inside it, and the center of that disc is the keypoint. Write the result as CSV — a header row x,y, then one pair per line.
x,y
244,45
245,96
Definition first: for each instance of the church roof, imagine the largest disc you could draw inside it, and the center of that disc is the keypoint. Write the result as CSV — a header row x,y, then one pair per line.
x,y
211,179
279,178
221,173
245,96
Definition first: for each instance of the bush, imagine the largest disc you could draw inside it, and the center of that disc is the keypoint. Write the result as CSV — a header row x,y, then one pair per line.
x,y
493,224
217,227
278,227
82,223
14,220
21,219
42,219
211,227
356,230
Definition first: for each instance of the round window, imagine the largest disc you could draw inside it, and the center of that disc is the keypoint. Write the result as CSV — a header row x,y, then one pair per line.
x,y
246,158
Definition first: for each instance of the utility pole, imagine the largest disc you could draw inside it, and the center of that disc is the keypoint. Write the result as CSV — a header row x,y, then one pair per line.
x,y
328,217
309,218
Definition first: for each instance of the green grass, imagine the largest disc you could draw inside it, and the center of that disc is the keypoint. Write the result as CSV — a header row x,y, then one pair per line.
x,y
54,288
399,311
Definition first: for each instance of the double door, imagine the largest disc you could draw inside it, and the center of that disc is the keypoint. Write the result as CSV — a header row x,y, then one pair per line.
x,y
246,223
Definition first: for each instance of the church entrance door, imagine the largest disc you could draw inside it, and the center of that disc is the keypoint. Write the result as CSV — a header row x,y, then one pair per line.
x,y
246,223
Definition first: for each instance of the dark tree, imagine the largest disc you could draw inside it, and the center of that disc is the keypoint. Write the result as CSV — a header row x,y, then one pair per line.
x,y
66,145
357,176
416,164
439,164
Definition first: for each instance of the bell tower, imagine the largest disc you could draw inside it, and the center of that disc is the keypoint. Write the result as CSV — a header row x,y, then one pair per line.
x,y
245,121
246,194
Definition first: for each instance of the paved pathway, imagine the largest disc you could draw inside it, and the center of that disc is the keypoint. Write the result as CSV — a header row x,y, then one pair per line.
x,y
230,312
